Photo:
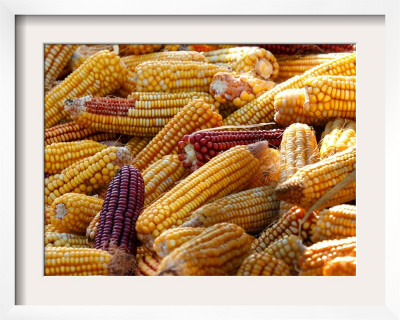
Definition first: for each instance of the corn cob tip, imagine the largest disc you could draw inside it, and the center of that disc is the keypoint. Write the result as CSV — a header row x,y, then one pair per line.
x,y
193,223
121,263
289,191
258,149
123,156
264,68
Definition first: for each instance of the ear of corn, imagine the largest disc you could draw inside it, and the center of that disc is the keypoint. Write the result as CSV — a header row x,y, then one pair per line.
x,y
307,48
338,135
161,176
175,76
262,108
314,259
288,224
256,61
99,75
148,264
92,228
311,182
56,239
72,212
200,147
228,87
121,208
219,250
195,47
60,155
323,99
263,264
87,175
136,144
196,115
129,49
223,175
268,171
335,223
252,210
71,131
340,266
174,238
82,53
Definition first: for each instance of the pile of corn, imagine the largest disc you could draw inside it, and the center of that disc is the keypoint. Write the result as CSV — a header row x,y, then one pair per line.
x,y
200,160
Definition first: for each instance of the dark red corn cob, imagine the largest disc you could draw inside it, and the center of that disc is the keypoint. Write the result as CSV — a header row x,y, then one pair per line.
x,y
198,148
305,48
122,206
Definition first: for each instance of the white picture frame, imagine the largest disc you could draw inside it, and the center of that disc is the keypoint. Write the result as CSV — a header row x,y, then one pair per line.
x,y
9,10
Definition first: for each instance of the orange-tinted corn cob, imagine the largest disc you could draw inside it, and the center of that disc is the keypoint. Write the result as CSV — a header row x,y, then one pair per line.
x,y
143,114
288,224
335,223
307,48
84,52
87,175
323,99
290,66
263,264
289,249
223,175
252,210
268,171
311,182
314,259
200,147
338,135
92,228
72,212
148,264
340,266
298,148
262,108
56,239
256,61
58,156
136,144
196,115
71,131
132,61
56,57
219,250
238,89
161,176
142,251
63,261
99,75
174,238
175,76
129,49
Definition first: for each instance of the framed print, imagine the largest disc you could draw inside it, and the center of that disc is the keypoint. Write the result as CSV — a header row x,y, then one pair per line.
x,y
26,293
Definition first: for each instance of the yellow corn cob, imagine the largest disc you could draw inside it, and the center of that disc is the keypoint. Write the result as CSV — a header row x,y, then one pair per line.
x,y
134,60
219,250
161,176
174,238
298,148
311,182
289,249
56,239
99,75
143,114
71,131
340,266
196,115
294,65
323,99
47,211
263,264
256,61
142,251
335,223
268,171
63,261
252,210
288,224
87,175
229,87
82,53
127,87
175,76
72,212
338,135
136,144
92,228
56,57
50,228
129,49
314,259
224,174
262,108
58,156
148,264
